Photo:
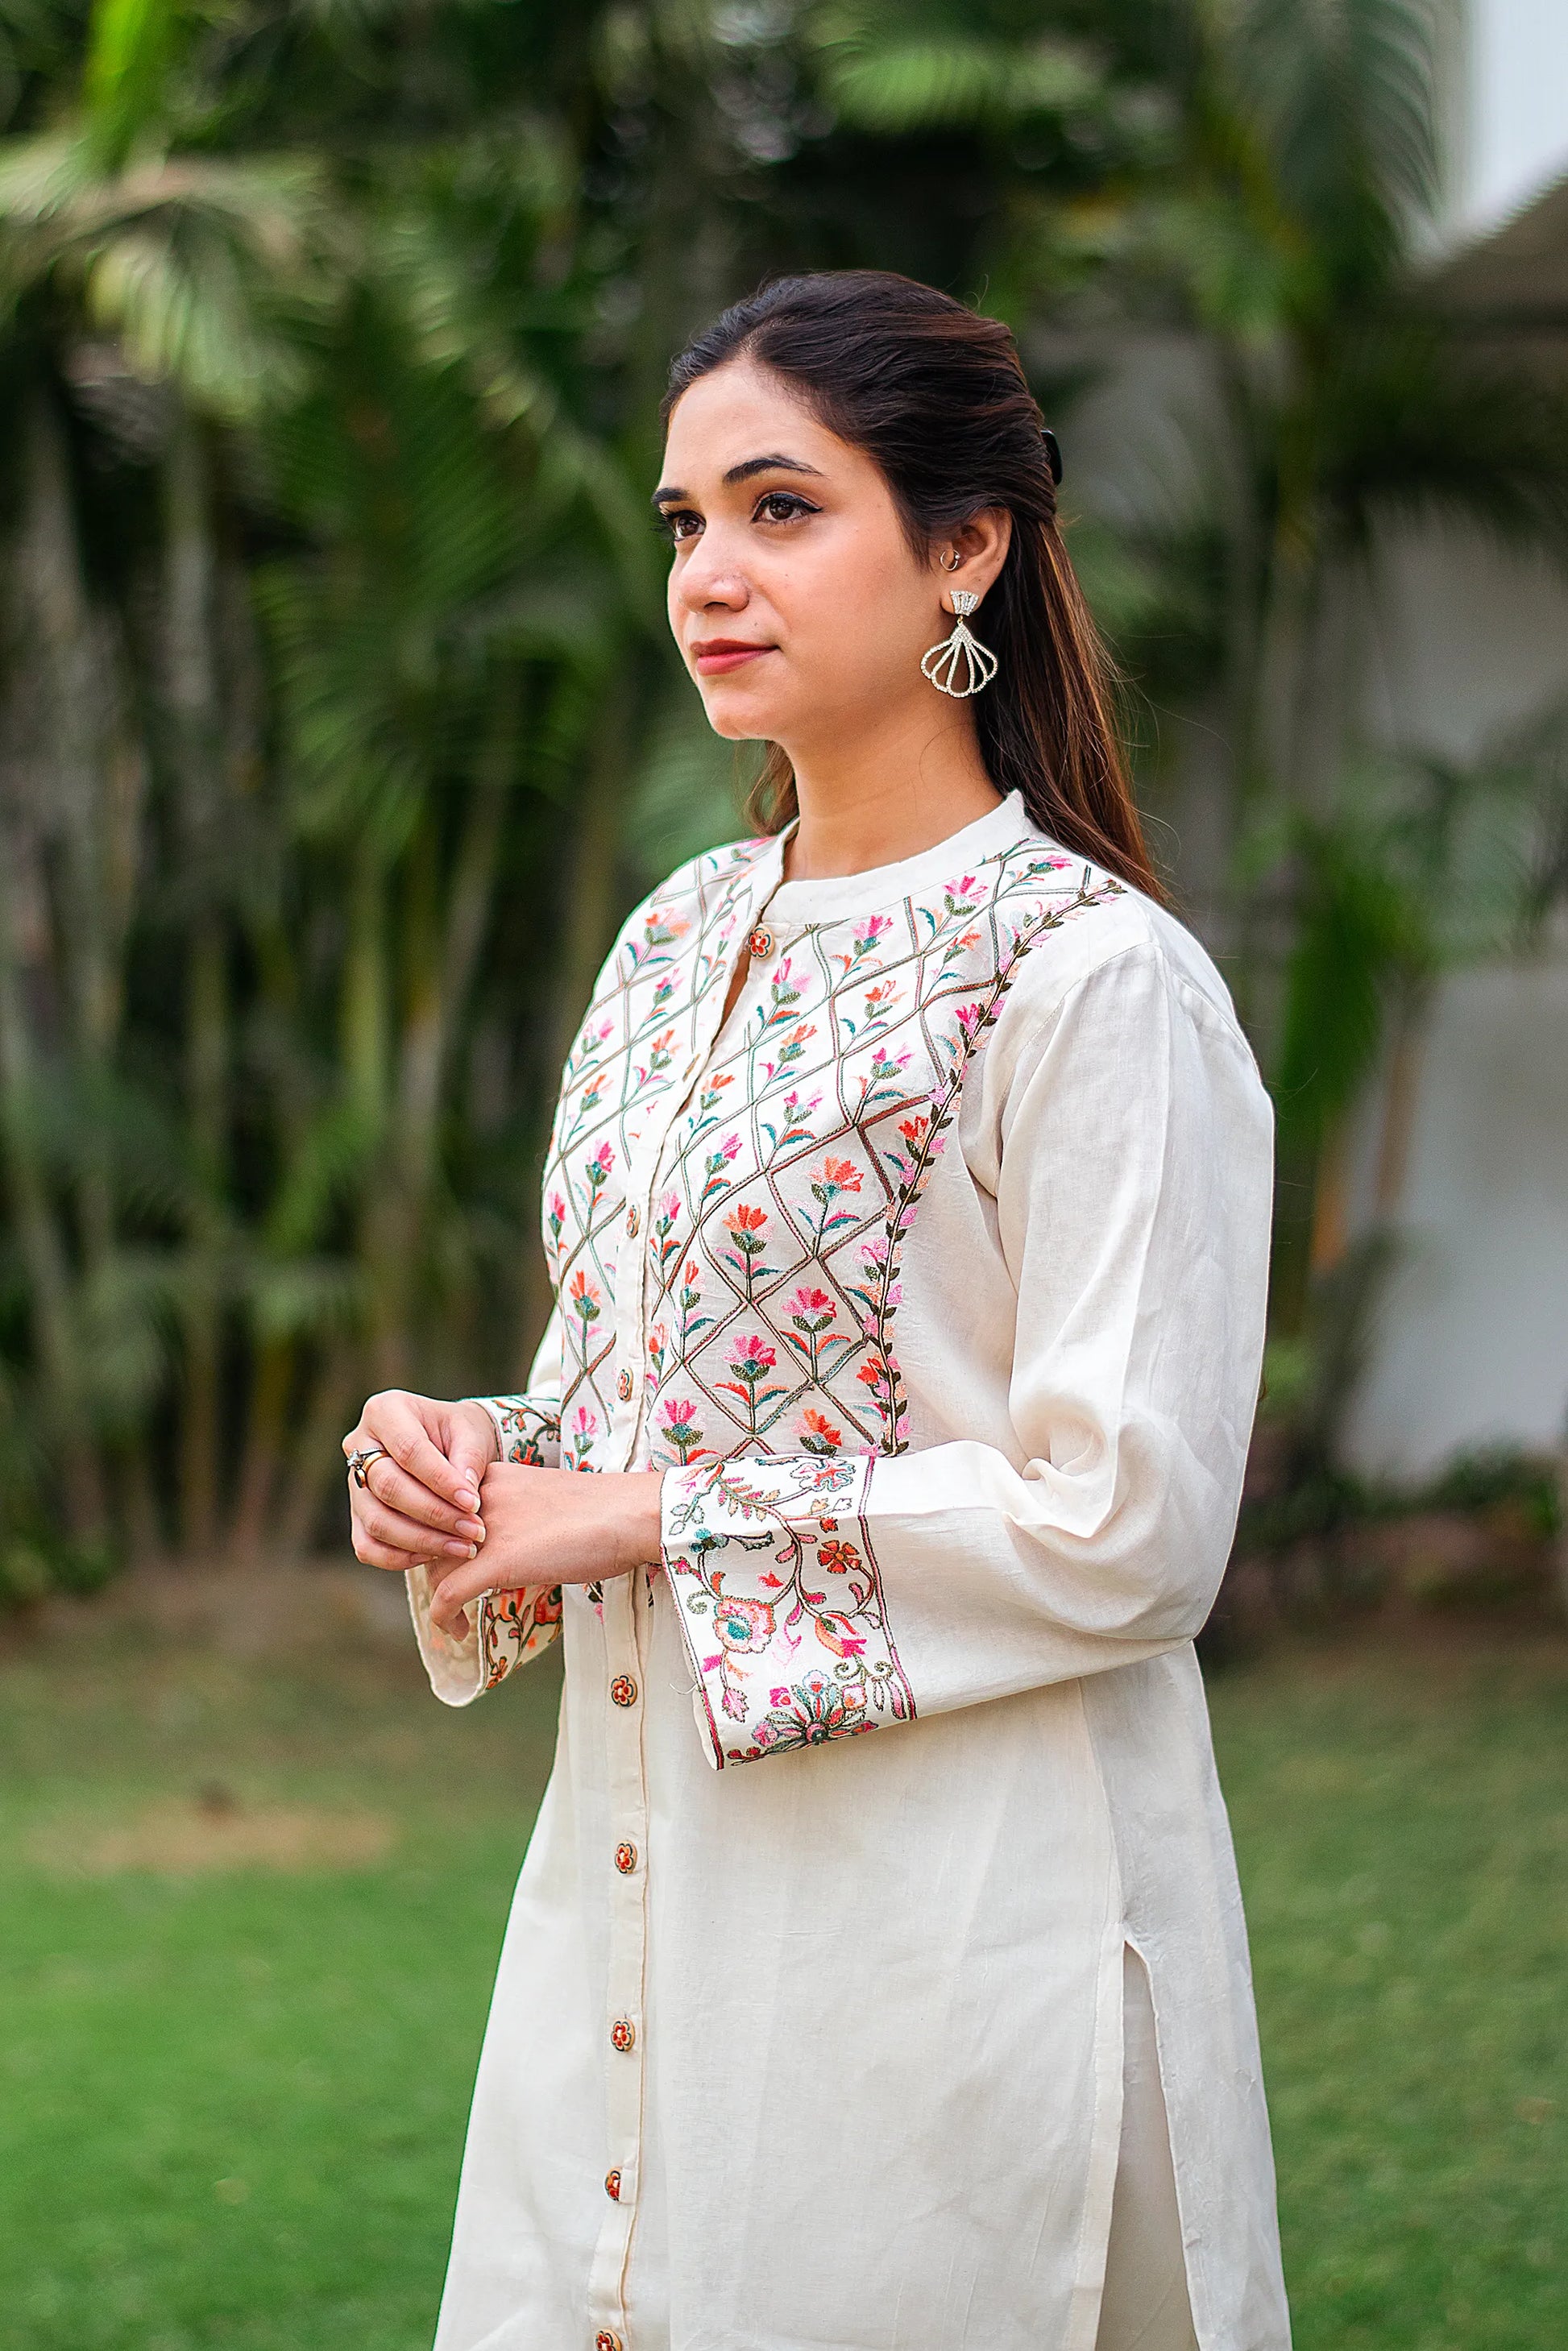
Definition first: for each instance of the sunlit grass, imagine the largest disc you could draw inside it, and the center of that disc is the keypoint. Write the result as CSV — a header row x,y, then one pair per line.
x,y
232,2100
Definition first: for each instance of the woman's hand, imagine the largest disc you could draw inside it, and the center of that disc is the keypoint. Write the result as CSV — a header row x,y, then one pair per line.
x,y
552,1526
421,1501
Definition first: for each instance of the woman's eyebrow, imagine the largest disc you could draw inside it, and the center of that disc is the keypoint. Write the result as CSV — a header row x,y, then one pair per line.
x,y
668,494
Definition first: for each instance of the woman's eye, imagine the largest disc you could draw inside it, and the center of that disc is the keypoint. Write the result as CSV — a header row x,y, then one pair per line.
x,y
678,524
783,505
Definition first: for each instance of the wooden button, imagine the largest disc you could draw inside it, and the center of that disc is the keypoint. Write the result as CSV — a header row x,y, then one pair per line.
x,y
632,1222
626,1858
760,943
622,2034
623,1387
623,1690
612,2186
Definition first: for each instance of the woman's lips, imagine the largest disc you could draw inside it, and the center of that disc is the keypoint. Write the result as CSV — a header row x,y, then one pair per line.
x,y
721,654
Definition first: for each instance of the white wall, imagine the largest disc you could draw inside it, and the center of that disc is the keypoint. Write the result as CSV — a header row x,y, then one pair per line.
x,y
1515,106
1471,1344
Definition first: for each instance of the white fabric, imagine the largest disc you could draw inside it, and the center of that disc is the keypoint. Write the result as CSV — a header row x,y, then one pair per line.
x,y
1145,2305
874,2092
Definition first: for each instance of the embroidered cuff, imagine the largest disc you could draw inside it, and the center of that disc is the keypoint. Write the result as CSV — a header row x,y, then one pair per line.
x,y
780,1604
527,1430
504,1630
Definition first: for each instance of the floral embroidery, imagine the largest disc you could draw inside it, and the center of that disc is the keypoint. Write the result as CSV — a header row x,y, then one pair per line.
x,y
528,1431
515,1626
789,1174
788,1663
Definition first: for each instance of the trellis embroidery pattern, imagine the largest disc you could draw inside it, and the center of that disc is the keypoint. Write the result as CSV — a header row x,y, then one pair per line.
x,y
771,1286
635,1043
789,1179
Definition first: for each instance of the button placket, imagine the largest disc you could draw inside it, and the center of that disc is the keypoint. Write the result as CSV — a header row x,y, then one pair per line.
x,y
626,1878
642,1173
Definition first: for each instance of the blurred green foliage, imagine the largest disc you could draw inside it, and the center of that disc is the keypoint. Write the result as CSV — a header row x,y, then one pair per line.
x,y
338,721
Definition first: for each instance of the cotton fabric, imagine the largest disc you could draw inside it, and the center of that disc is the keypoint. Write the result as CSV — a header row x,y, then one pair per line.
x,y
934,1280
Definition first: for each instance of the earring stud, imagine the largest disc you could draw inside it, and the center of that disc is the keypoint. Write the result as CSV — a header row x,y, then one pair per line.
x,y
960,665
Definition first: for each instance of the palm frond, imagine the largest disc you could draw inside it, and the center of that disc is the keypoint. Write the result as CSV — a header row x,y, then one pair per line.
x,y
884,75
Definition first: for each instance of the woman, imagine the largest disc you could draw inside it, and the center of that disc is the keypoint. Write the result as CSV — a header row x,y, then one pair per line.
x,y
907,1212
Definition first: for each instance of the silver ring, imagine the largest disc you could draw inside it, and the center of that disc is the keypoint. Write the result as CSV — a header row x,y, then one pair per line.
x,y
361,1461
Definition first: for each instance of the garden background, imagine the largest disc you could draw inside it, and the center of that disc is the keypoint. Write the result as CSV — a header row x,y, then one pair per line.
x,y
338,728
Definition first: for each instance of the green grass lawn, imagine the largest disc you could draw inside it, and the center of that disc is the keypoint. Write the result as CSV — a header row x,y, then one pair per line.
x,y
232,2098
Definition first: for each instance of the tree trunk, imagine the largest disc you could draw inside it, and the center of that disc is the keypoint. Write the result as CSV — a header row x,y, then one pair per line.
x,y
195,723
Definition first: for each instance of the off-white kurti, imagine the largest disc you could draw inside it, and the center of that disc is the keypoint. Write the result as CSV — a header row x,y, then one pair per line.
x,y
936,1281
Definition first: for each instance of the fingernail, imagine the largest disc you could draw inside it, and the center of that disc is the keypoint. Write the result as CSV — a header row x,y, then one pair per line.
x,y
473,1528
459,1550
467,1500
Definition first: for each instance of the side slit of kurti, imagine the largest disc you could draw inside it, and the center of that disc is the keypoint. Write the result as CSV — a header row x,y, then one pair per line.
x,y
1106,2123
1144,2265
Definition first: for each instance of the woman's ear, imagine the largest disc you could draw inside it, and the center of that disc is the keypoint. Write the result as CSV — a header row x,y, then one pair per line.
x,y
981,547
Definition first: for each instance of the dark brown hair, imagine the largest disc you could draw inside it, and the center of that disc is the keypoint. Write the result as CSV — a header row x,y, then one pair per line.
x,y
936,396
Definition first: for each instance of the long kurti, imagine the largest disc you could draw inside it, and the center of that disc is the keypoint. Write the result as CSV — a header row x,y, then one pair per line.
x,y
935,1281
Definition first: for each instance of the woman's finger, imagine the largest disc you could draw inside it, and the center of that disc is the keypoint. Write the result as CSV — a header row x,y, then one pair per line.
x,y
399,1491
408,1427
375,1554
390,1530
456,1586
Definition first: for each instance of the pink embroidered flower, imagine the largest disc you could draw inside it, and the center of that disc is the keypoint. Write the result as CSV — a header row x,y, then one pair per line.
x,y
598,1166
682,1430
743,1626
584,1297
808,1304
752,1357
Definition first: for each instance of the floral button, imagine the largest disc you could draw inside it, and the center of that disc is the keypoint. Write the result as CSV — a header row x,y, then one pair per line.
x,y
760,943
632,1222
605,2341
623,1690
622,2034
612,2186
626,1858
623,1387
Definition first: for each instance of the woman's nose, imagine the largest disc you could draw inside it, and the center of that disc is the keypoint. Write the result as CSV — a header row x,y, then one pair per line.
x,y
708,577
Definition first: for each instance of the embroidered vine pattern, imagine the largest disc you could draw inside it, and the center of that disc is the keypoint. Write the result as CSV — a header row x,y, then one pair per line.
x,y
927,1134
773,1265
777,1510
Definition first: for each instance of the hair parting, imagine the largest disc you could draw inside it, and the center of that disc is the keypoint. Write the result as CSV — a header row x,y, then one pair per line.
x,y
935,395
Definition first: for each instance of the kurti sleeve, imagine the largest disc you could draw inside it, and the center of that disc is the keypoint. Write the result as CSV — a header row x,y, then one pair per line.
x,y
505,1628
822,1597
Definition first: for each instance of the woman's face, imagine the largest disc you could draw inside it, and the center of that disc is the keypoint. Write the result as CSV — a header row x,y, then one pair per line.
x,y
795,597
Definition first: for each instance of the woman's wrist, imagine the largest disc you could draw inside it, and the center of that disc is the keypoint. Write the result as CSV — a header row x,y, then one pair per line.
x,y
641,1519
